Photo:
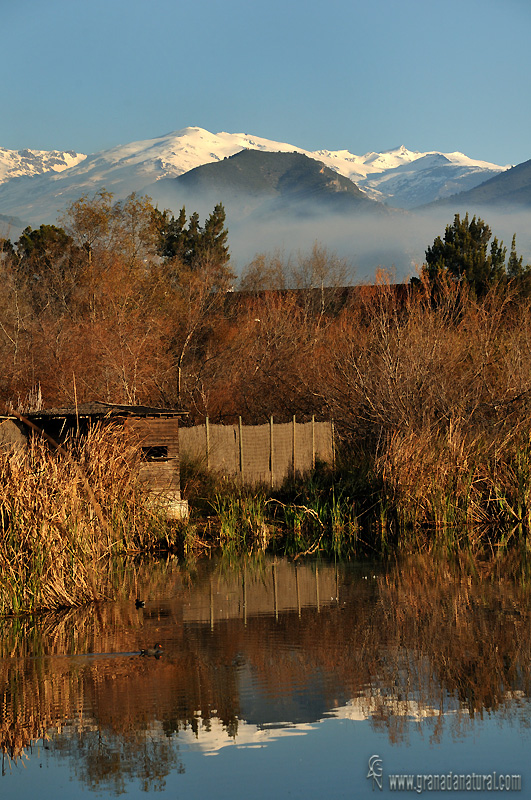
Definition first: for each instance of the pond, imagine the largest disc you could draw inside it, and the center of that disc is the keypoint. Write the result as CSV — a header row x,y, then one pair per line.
x,y
277,679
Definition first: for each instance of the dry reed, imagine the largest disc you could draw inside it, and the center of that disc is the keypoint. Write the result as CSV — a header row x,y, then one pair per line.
x,y
433,395
63,517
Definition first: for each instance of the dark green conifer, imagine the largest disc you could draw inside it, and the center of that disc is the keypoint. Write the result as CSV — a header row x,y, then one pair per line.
x,y
514,264
193,245
213,243
464,255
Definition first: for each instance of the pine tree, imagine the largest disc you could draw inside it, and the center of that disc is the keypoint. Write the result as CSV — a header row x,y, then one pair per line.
x,y
6,249
193,240
514,264
494,269
194,245
464,255
213,244
172,234
47,265
517,273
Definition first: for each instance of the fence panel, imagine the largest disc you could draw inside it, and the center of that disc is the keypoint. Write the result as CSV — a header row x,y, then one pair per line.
x,y
259,453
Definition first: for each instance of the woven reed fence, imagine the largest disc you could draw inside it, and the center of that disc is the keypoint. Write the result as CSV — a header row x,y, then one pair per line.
x,y
259,453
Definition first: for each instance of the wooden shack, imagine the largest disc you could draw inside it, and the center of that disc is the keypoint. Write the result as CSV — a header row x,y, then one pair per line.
x,y
156,431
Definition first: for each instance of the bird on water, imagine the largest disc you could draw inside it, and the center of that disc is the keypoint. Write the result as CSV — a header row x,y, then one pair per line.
x,y
152,651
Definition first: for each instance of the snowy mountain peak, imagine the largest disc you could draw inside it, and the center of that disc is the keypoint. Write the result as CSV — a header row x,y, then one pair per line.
x,y
402,150
398,176
15,163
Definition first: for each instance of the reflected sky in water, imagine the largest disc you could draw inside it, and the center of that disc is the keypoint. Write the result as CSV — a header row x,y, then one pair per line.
x,y
277,679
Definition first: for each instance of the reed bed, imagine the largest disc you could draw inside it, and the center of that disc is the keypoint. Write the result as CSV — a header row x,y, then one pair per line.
x,y
431,397
65,517
243,520
430,392
305,516
458,489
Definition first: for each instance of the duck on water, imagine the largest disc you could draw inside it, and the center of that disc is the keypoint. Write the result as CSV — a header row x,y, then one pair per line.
x,y
152,651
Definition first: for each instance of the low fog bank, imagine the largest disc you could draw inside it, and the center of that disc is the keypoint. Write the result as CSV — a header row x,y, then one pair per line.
x,y
365,243
391,239
289,225
396,243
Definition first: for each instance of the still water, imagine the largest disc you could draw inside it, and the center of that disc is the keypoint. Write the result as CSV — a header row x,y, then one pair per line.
x,y
277,679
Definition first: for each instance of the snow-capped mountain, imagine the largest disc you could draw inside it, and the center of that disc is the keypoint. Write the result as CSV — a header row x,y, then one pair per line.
x,y
257,186
37,186
429,177
17,163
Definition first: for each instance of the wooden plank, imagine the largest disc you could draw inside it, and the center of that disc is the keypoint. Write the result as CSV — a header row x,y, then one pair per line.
x,y
159,475
156,433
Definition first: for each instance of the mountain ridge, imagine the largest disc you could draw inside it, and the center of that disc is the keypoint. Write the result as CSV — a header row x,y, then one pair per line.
x,y
509,190
18,163
257,184
43,186
349,221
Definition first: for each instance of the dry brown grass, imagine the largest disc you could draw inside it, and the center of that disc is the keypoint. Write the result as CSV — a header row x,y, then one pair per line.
x,y
436,397
63,517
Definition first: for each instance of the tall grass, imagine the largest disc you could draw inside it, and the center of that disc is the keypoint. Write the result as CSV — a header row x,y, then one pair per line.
x,y
430,391
64,517
431,394
447,490
431,400
455,488
243,521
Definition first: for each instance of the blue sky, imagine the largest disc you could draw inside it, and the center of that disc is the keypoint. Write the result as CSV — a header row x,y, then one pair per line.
x,y
338,74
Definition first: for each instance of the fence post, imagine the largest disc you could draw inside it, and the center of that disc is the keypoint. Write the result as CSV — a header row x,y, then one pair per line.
x,y
293,445
313,441
271,450
207,437
332,432
240,430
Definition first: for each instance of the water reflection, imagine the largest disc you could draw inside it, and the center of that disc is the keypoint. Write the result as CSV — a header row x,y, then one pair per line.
x,y
258,652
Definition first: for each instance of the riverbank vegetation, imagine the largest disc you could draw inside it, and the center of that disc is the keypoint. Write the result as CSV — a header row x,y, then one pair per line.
x,y
68,520
428,384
